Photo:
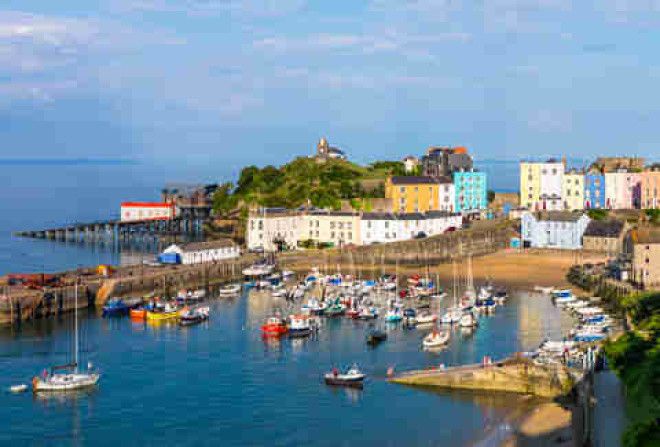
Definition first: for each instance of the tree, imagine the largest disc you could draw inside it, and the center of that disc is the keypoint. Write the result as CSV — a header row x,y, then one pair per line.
x,y
490,195
597,214
223,199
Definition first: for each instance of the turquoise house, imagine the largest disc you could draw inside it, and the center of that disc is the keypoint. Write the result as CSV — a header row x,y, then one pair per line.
x,y
471,191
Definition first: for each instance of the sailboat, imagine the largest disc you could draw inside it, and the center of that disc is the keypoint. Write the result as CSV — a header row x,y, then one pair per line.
x,y
454,313
74,379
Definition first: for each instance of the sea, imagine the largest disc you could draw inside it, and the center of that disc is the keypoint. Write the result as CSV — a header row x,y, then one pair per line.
x,y
221,383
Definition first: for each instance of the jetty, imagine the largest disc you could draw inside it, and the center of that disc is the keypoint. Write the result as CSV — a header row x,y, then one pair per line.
x,y
514,375
190,223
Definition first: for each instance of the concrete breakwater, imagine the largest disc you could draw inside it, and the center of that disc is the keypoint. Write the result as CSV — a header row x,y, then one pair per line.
x,y
517,375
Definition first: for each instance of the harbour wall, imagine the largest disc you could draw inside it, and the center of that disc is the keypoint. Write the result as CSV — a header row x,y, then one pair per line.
x,y
513,375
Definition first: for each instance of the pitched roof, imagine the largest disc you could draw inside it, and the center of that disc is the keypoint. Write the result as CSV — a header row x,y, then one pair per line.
x,y
410,216
413,180
558,216
210,245
378,216
432,214
604,228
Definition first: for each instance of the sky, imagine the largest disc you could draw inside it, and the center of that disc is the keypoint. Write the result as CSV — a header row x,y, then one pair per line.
x,y
258,81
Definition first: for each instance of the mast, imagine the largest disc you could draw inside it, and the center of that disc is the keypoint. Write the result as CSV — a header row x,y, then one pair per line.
x,y
75,325
453,269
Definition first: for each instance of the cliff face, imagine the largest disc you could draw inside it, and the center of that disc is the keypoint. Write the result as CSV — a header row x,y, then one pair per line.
x,y
516,377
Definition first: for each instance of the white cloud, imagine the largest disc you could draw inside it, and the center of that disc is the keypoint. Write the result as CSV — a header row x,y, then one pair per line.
x,y
213,7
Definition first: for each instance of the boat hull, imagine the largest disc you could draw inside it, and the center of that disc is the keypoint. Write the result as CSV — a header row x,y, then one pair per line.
x,y
65,382
351,383
162,316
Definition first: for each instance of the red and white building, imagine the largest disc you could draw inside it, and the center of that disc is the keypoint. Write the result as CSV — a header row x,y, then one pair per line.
x,y
138,211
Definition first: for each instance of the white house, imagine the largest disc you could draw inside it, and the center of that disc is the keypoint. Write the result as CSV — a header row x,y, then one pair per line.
x,y
554,229
439,222
269,228
410,163
201,252
446,195
379,228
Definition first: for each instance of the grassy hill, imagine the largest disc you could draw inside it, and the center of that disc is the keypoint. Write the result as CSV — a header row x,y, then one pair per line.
x,y
303,181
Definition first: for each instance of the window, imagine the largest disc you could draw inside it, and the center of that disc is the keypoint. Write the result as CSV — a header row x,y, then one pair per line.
x,y
368,224
341,235
387,224
332,234
261,224
350,235
402,189
332,225
317,225
341,225
317,233
349,225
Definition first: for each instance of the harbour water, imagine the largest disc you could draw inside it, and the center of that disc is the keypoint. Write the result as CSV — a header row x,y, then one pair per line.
x,y
221,383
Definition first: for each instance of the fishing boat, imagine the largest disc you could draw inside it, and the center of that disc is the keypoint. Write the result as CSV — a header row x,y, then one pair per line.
x,y
274,327
163,313
393,315
376,337
196,315
426,318
313,307
115,307
75,379
138,314
368,313
436,339
353,377
262,268
299,326
468,319
230,290
335,309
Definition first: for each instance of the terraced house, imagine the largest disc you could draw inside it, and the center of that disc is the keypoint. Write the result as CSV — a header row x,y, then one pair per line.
x,y
594,189
413,194
573,190
650,187
471,191
541,185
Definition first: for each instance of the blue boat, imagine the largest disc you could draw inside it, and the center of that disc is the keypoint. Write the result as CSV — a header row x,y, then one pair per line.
x,y
115,306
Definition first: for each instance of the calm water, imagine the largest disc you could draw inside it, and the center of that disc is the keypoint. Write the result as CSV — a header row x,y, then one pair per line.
x,y
35,196
220,383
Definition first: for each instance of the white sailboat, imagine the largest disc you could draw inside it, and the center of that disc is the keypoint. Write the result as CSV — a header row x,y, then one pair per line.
x,y
454,313
74,379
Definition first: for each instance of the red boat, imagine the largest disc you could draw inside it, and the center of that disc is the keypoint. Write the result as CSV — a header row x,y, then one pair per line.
x,y
352,313
274,327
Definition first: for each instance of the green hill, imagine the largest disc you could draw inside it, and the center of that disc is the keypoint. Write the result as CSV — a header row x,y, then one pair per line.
x,y
303,181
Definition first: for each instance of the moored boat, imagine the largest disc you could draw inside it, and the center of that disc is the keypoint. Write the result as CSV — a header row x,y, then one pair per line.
x,y
115,307
299,326
274,326
426,318
376,337
353,377
436,339
230,290
196,315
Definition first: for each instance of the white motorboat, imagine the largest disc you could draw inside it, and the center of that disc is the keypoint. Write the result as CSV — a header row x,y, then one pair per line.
x,y
18,388
259,269
232,289
299,325
453,315
73,380
439,296
198,294
352,378
468,319
544,290
426,318
436,339
287,273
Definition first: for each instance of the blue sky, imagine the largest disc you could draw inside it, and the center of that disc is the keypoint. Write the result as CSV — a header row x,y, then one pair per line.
x,y
238,81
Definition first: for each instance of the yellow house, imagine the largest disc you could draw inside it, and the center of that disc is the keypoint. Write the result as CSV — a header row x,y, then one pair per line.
x,y
573,190
413,194
530,184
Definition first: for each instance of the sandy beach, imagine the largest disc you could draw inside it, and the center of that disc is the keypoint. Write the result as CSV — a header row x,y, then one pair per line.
x,y
548,424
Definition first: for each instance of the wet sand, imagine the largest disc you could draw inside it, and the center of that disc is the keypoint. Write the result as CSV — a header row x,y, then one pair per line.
x,y
548,424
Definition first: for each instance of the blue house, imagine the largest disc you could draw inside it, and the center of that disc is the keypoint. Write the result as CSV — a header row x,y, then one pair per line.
x,y
554,229
594,190
471,191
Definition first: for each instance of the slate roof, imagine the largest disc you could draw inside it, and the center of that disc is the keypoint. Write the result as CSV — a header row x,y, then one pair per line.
x,y
558,216
378,216
210,245
413,180
604,228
